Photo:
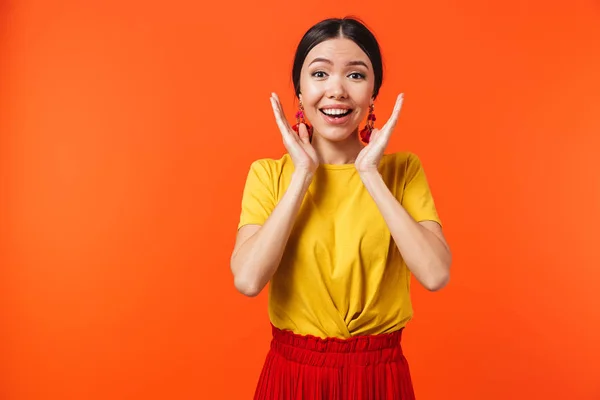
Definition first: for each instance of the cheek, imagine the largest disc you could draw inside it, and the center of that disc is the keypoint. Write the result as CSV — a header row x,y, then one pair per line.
x,y
311,92
363,99
362,94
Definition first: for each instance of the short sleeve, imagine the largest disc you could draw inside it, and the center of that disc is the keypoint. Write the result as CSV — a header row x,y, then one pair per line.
x,y
417,198
258,198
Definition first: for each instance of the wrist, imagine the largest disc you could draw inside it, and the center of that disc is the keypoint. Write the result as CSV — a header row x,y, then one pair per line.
x,y
371,179
369,174
302,178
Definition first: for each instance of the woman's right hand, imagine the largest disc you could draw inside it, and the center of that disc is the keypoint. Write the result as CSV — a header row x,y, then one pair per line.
x,y
303,154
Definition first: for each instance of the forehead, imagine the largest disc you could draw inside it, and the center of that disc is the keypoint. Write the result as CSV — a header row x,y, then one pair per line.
x,y
339,51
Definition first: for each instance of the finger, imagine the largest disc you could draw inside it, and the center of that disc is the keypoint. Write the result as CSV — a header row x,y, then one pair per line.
x,y
278,102
387,130
278,116
391,124
376,142
291,141
288,138
304,136
375,133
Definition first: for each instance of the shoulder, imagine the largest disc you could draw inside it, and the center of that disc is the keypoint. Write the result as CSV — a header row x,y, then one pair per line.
x,y
401,160
271,166
402,167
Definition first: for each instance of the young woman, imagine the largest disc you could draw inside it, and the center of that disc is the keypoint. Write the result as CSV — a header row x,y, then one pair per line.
x,y
337,227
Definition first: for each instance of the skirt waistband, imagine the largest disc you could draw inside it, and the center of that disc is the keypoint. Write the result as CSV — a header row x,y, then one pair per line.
x,y
337,352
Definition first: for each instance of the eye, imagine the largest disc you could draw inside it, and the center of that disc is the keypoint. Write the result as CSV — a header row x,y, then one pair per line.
x,y
318,74
357,75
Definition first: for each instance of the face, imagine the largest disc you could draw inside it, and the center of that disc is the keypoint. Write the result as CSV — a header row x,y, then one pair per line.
x,y
336,88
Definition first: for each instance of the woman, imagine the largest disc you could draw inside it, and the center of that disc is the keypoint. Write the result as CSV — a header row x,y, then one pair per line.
x,y
337,227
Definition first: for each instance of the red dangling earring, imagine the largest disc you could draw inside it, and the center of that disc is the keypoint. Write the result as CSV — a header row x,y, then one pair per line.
x,y
300,120
365,133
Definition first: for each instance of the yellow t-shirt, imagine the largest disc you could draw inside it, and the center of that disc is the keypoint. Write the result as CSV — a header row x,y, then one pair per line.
x,y
341,274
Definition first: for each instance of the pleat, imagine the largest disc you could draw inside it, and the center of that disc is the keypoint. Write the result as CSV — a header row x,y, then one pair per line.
x,y
311,368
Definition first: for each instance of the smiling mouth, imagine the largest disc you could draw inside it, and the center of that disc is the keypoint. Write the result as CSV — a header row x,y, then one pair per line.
x,y
337,113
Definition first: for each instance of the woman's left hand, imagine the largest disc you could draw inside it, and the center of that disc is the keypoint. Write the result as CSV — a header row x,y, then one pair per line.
x,y
369,157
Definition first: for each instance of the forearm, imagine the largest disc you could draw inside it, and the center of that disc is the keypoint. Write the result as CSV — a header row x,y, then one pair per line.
x,y
257,259
426,255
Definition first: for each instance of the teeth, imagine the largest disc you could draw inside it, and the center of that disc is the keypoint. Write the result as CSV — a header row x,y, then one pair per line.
x,y
335,111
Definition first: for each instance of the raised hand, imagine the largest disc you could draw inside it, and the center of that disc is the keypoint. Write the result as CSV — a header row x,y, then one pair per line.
x,y
303,154
369,157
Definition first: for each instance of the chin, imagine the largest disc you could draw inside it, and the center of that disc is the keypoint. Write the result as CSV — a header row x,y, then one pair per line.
x,y
335,134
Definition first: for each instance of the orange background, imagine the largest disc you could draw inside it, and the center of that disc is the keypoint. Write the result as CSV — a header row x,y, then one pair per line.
x,y
127,129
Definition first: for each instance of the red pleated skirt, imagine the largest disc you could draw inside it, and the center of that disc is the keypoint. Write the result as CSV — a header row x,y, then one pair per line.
x,y
358,368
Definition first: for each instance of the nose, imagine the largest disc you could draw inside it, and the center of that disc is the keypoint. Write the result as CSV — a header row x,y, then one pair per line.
x,y
336,88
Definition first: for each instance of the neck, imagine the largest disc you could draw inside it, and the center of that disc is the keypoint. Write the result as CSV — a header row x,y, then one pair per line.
x,y
343,152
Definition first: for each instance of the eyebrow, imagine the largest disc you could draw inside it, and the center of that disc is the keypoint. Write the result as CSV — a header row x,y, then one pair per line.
x,y
348,64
